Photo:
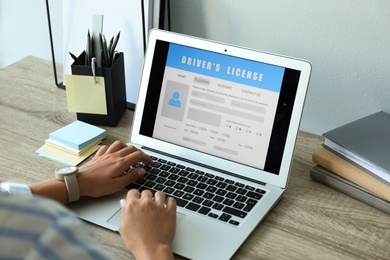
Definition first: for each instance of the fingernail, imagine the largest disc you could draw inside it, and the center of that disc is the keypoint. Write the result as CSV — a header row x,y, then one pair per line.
x,y
141,172
122,202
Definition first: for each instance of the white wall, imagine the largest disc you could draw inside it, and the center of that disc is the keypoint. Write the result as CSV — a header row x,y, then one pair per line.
x,y
346,41
24,30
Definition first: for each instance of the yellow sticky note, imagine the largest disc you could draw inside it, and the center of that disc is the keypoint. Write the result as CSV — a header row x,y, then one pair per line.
x,y
67,158
84,95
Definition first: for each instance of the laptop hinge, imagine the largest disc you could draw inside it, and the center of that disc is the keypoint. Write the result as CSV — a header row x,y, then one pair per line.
x,y
203,165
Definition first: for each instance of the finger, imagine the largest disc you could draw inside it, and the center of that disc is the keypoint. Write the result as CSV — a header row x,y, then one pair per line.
x,y
159,198
116,146
127,150
146,194
122,202
171,204
133,194
129,160
131,176
134,155
102,150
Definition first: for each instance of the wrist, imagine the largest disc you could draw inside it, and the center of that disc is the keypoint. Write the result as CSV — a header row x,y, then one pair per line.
x,y
84,185
161,251
68,175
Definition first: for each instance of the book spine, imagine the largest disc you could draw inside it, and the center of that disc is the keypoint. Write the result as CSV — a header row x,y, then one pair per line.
x,y
343,168
357,160
349,189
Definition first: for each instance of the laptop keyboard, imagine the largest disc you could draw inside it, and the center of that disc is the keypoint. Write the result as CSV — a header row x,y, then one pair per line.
x,y
207,194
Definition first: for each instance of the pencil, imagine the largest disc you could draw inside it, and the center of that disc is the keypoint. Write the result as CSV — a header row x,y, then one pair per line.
x,y
105,52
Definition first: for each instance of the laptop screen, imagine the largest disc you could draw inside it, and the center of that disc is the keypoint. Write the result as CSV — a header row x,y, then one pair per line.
x,y
222,105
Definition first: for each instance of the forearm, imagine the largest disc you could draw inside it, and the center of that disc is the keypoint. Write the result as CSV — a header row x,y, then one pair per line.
x,y
53,188
56,189
101,176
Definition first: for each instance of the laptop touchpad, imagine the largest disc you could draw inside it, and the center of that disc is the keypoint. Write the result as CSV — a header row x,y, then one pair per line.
x,y
114,219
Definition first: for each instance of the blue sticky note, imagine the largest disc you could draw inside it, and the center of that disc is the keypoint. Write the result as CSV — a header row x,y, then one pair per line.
x,y
78,134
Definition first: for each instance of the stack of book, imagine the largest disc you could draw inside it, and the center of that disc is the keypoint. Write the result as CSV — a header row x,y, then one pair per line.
x,y
73,143
355,159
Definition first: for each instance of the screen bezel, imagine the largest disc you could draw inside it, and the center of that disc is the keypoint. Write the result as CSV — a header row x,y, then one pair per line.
x,y
291,101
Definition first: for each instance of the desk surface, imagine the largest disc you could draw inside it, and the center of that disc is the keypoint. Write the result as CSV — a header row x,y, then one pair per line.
x,y
310,221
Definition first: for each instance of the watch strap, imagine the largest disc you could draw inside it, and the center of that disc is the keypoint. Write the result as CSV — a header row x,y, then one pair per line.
x,y
73,187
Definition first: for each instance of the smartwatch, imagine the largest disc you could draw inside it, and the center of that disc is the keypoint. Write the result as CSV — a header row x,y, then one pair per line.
x,y
69,175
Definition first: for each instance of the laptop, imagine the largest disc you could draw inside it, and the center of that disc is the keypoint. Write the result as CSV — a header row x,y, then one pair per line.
x,y
220,123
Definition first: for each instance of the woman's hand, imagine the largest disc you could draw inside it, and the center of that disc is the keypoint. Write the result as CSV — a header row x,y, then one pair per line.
x,y
148,224
104,174
101,176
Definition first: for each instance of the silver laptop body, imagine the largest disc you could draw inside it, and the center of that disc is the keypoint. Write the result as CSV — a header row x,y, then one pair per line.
x,y
229,114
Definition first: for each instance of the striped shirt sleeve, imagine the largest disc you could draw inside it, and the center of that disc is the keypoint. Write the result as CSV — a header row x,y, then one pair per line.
x,y
38,228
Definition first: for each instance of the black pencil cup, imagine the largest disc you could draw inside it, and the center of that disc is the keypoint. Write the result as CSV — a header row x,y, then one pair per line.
x,y
114,80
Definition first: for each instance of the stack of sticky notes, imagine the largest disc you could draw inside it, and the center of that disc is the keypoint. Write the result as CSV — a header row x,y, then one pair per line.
x,y
73,143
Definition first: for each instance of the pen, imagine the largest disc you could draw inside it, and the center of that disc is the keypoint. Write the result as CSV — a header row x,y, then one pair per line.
x,y
93,66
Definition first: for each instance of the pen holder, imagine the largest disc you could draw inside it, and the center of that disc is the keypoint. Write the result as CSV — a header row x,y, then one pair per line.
x,y
114,80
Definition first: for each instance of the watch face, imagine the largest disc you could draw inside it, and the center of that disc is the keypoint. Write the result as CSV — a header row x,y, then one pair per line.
x,y
66,170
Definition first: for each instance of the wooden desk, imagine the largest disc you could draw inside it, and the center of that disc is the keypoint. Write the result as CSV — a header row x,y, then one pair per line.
x,y
311,221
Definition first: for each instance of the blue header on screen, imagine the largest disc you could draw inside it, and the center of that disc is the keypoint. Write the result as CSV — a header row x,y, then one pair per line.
x,y
239,70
